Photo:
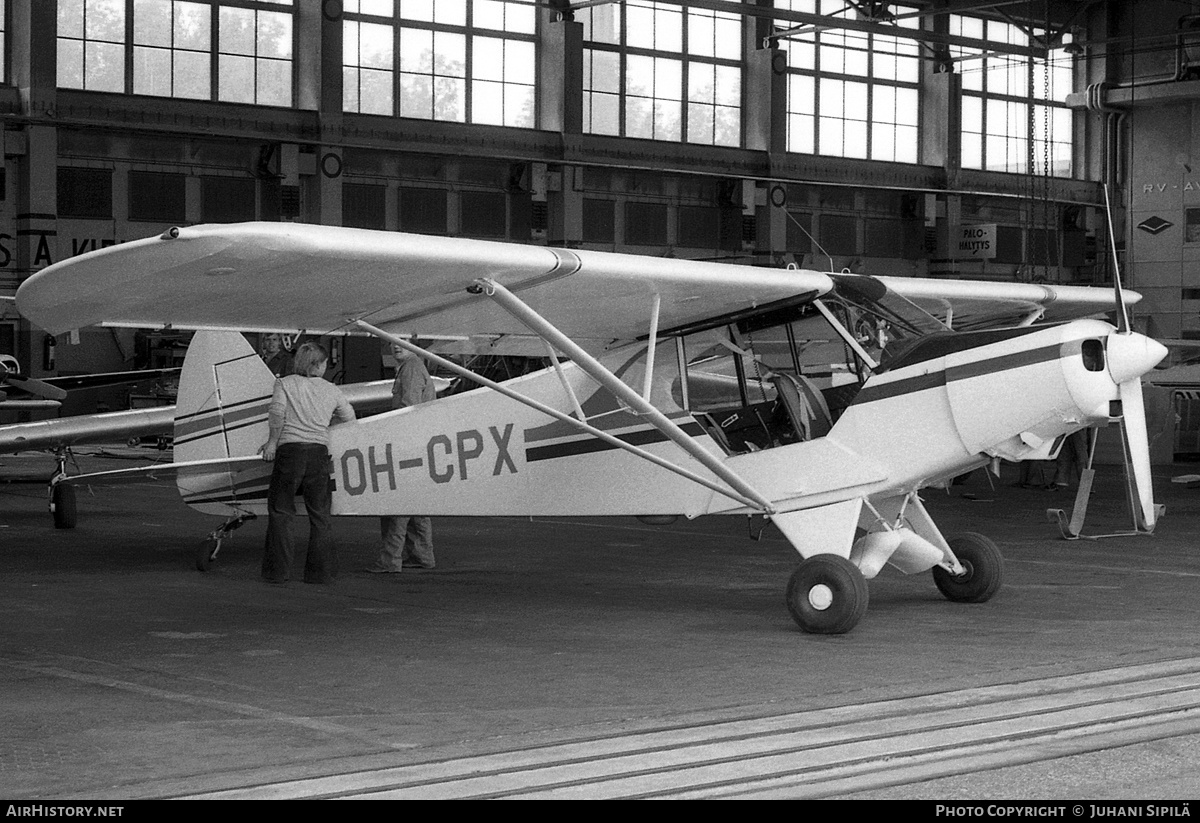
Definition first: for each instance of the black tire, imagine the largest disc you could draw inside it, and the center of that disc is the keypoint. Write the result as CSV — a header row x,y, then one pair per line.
x,y
204,554
63,506
838,606
984,570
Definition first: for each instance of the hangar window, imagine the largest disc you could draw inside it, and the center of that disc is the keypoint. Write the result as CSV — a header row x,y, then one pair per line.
x,y
662,71
1191,225
85,193
423,210
851,93
157,197
1011,114
254,60
3,41
484,213
364,206
227,199
441,60
599,221
646,224
172,49
235,50
91,44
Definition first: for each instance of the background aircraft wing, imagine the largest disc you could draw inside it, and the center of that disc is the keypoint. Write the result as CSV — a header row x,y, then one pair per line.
x,y
111,427
291,276
71,382
86,428
987,304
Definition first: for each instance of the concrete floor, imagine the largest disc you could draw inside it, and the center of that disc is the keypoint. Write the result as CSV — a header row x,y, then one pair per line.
x,y
127,674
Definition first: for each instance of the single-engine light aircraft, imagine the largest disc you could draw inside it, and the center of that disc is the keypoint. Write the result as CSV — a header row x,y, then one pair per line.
x,y
825,402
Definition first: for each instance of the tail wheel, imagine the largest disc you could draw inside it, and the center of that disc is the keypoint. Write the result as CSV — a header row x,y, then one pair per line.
x,y
827,595
63,506
983,570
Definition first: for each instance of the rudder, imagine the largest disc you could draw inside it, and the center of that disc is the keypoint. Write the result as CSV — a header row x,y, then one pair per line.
x,y
221,413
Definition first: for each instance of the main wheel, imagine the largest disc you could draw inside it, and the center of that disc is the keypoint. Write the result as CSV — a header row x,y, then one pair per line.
x,y
983,570
827,595
62,506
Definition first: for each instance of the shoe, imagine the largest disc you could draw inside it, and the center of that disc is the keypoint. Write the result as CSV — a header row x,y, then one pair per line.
x,y
380,570
416,566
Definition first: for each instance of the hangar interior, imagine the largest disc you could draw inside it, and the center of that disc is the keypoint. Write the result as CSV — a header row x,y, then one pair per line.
x,y
949,138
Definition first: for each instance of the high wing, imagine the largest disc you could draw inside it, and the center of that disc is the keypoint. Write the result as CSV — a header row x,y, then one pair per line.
x,y
974,304
289,277
293,277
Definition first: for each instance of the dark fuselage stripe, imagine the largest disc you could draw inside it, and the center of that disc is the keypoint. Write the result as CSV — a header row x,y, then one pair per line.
x,y
266,398
965,371
218,430
595,444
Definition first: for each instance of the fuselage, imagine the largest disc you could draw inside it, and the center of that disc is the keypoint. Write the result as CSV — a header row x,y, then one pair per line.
x,y
946,404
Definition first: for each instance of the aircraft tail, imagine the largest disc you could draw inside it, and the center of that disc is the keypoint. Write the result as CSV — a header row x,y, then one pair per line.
x,y
221,413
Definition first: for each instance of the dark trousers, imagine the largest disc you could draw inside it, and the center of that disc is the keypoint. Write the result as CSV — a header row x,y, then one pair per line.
x,y
300,468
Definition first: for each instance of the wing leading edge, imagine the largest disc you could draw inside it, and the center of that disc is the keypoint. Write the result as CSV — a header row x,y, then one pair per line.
x,y
288,276
988,304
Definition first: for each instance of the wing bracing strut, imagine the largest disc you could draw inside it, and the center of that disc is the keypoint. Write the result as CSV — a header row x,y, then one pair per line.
x,y
596,370
756,502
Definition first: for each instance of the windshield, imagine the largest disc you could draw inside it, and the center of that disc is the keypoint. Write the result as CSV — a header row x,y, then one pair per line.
x,y
881,321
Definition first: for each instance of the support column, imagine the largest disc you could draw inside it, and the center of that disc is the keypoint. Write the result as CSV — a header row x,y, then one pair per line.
x,y
560,78
325,33
31,153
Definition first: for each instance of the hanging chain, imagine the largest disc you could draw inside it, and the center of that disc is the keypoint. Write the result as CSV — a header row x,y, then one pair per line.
x,y
1049,226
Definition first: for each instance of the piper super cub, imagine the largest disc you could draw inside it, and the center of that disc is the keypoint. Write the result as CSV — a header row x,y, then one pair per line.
x,y
823,401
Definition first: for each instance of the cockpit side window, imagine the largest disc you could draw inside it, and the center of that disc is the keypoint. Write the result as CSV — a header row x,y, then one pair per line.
x,y
758,384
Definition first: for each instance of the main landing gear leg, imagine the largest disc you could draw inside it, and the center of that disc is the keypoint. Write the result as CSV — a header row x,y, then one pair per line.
x,y
63,505
971,569
207,551
827,594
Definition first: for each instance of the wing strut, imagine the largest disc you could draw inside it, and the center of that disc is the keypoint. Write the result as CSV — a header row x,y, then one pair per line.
x,y
591,366
758,503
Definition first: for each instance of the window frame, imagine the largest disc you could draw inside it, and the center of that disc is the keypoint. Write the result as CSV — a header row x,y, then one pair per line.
x,y
1042,107
405,83
666,57
812,123
217,50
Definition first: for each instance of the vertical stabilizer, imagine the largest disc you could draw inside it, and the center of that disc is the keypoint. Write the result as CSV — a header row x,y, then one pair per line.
x,y
221,413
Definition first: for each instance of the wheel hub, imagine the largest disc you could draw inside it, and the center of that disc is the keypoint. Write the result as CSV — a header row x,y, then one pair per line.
x,y
820,597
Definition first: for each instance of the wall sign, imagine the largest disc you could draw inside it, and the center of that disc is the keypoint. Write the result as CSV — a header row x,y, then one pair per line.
x,y
975,242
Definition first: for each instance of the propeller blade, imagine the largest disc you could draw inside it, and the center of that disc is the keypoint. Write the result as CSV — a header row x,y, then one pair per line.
x,y
38,387
1122,312
1134,414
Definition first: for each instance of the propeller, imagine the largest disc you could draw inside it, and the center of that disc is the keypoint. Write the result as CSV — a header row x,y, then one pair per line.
x,y
1130,355
1122,312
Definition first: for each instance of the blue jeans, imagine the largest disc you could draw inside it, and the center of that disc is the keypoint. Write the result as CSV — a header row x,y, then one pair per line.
x,y
405,540
302,468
